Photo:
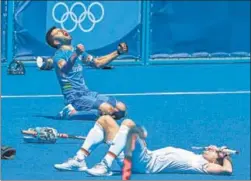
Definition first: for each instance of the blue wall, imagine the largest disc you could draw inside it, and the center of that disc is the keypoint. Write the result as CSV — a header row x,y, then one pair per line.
x,y
112,26
152,29
199,26
3,30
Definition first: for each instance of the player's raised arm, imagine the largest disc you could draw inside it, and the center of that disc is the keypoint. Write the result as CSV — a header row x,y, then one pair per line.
x,y
222,164
104,60
225,169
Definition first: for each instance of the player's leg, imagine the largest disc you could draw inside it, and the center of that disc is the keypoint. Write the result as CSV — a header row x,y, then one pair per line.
x,y
104,130
91,107
79,107
119,142
70,113
137,156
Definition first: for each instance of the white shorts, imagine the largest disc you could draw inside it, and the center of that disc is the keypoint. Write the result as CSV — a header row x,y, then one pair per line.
x,y
146,161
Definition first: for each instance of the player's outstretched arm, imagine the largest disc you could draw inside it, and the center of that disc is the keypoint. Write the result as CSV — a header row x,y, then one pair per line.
x,y
106,59
225,169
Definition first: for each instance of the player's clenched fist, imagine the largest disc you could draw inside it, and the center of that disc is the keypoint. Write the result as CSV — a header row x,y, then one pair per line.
x,y
80,49
122,48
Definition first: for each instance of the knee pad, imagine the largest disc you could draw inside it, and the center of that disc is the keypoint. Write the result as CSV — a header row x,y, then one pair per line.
x,y
119,114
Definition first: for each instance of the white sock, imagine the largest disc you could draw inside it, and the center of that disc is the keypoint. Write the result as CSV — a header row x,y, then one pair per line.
x,y
81,155
119,143
109,159
120,159
94,138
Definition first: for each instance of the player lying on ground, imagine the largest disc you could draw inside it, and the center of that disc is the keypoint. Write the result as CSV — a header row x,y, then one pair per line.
x,y
165,160
103,131
80,101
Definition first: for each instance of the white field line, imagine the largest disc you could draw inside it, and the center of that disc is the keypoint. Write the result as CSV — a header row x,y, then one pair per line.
x,y
137,94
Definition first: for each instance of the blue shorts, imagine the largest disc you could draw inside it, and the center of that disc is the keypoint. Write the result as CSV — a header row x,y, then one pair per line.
x,y
87,101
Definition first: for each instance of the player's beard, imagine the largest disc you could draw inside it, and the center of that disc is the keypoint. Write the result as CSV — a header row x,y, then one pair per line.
x,y
64,41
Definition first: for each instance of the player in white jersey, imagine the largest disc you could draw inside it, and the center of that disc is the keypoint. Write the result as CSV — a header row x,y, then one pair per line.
x,y
165,160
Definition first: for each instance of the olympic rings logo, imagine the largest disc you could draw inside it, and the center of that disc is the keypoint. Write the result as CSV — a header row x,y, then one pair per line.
x,y
86,13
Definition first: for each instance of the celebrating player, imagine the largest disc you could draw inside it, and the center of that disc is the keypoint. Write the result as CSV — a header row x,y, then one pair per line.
x,y
81,102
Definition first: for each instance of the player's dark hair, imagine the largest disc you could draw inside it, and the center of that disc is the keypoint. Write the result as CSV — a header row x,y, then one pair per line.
x,y
219,161
49,38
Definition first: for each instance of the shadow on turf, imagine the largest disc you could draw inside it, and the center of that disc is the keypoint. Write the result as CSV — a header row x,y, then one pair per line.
x,y
118,172
47,117
57,118
114,173
69,143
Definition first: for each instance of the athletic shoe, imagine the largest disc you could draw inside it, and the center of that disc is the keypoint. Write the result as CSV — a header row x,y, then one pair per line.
x,y
72,165
101,169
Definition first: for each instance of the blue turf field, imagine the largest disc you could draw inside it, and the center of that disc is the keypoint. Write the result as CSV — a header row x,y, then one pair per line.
x,y
176,120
